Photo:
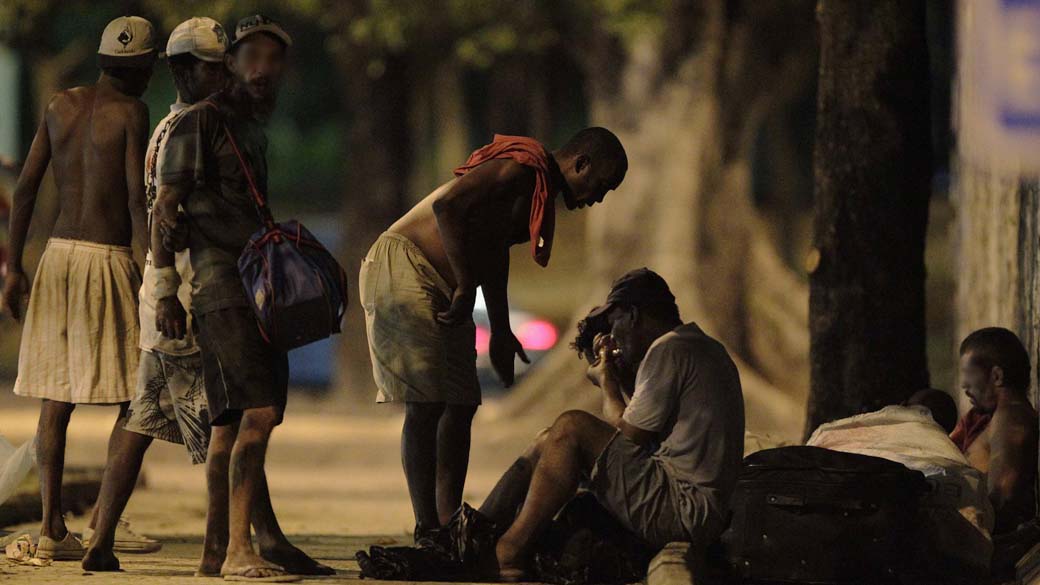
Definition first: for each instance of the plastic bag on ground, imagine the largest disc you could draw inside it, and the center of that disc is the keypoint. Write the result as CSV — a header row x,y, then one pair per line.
x,y
956,519
15,464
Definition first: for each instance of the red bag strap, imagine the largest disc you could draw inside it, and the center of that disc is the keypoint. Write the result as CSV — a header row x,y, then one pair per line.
x,y
258,198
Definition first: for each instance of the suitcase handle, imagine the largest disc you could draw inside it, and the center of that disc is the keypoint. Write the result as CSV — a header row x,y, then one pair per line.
x,y
787,500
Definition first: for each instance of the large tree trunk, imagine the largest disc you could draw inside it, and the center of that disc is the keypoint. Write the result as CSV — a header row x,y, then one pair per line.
x,y
687,105
376,190
873,171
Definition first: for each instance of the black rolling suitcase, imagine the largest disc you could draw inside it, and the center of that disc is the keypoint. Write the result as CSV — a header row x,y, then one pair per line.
x,y
812,515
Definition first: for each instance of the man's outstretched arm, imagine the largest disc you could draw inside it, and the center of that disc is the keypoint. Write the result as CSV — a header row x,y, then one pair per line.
x,y
503,345
452,208
16,285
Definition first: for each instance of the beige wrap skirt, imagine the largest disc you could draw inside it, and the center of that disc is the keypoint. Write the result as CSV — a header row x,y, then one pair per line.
x,y
79,340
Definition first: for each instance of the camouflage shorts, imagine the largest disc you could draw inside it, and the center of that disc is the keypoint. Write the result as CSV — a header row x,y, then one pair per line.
x,y
170,403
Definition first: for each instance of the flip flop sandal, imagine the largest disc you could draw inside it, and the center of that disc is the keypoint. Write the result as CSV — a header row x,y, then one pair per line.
x,y
241,574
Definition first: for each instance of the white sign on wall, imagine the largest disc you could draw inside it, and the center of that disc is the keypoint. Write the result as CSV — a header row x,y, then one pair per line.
x,y
998,89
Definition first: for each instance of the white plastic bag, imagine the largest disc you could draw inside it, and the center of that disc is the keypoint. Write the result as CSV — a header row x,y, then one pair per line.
x,y
956,517
15,464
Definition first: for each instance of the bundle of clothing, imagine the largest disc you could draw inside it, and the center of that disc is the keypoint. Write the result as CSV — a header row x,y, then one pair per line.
x,y
584,545
956,518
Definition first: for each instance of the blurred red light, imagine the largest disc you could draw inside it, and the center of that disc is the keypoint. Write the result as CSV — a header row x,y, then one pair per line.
x,y
536,335
483,340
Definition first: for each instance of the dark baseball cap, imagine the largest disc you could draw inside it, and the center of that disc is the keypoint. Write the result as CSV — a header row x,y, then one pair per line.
x,y
641,287
258,23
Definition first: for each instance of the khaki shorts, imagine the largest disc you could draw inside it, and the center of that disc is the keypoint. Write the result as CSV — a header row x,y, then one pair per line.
x,y
414,358
634,486
79,341
170,403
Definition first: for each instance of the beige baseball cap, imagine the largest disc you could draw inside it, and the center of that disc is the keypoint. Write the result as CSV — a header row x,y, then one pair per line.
x,y
258,23
128,41
200,36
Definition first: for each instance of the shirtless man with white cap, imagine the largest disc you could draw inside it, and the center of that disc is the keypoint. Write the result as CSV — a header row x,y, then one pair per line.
x,y
79,342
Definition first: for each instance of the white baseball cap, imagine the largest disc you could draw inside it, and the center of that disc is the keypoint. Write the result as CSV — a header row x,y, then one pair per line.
x,y
200,36
128,41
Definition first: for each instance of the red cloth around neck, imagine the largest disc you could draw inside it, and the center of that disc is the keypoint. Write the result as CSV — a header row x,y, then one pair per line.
x,y
530,153
971,425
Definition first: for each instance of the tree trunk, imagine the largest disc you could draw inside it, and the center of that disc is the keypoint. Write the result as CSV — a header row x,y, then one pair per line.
x,y
873,170
376,191
687,105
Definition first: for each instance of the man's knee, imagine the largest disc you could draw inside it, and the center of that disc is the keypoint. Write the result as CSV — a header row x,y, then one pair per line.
x,y
459,415
569,426
423,414
56,409
260,420
534,449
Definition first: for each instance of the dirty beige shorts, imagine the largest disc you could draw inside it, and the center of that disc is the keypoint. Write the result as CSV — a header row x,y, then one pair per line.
x,y
414,358
79,340
637,490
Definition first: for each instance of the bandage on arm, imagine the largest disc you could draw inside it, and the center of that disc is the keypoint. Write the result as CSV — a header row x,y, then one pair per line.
x,y
167,282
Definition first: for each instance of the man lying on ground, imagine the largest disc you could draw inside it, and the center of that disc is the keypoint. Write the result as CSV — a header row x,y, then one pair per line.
x,y
79,341
999,434
418,284
170,402
666,464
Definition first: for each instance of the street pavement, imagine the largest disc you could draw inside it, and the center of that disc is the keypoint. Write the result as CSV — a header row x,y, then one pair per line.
x,y
335,478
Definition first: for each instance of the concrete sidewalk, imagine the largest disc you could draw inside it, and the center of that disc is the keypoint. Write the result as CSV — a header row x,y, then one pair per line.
x,y
177,561
331,474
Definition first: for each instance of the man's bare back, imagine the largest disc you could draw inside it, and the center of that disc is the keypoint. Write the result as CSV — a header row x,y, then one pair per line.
x,y
496,223
94,135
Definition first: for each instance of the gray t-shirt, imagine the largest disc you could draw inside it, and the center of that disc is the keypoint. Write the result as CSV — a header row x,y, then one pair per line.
x,y
220,210
688,391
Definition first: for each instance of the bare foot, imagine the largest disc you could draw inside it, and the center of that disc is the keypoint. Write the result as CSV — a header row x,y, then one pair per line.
x,y
100,561
295,560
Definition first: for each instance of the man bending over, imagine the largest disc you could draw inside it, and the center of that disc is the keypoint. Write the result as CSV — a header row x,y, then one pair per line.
x,y
666,464
418,285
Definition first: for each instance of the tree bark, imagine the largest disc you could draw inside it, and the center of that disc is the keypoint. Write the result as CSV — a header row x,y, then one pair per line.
x,y
376,190
873,169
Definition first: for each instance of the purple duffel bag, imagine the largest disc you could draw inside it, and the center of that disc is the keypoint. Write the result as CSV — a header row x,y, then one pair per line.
x,y
295,286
